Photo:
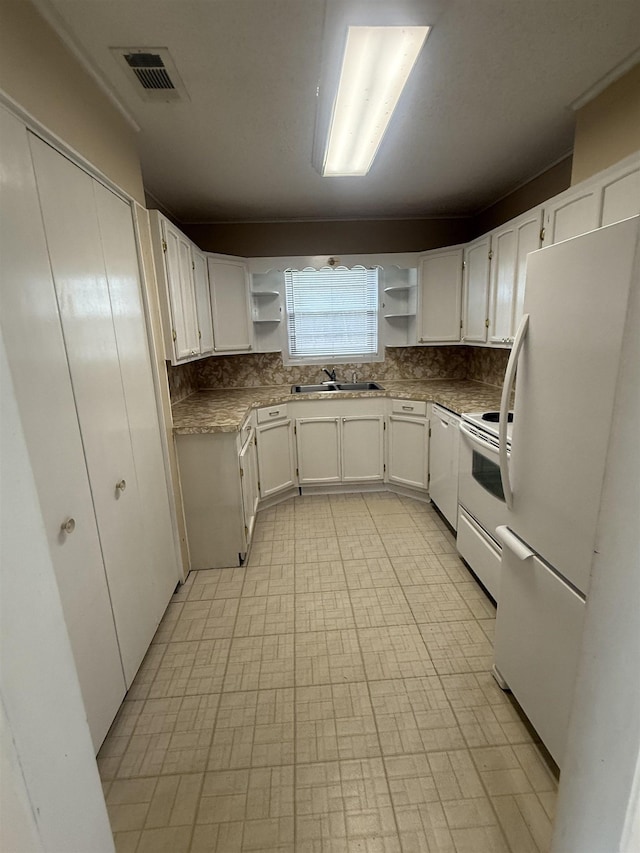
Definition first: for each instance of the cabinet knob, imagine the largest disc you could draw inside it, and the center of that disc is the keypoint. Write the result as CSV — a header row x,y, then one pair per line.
x,y
68,526
121,485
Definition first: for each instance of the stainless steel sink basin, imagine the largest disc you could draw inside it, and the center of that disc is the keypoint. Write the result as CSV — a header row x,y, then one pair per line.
x,y
313,389
336,386
359,386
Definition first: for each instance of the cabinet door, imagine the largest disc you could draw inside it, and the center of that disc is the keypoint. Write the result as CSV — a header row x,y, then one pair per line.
x,y
408,451
249,483
510,246
159,573
177,253
572,214
203,301
75,251
440,295
362,448
38,361
228,283
621,196
276,465
443,465
318,445
476,290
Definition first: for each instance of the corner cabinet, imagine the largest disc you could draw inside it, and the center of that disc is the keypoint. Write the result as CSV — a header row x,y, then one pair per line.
x,y
408,445
229,290
440,296
276,452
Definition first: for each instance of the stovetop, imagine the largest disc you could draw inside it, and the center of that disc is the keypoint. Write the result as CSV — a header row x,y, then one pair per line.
x,y
488,421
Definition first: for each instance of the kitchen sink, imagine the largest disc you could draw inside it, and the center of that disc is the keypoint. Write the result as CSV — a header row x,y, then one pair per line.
x,y
359,386
336,386
313,389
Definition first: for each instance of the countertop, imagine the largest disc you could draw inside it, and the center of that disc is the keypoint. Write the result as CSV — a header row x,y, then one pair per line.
x,y
224,410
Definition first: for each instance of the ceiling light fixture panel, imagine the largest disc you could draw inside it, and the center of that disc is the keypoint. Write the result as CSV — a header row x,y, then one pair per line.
x,y
376,65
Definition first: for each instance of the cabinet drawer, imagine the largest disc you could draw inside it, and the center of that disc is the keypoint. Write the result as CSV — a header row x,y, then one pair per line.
x,y
408,407
272,413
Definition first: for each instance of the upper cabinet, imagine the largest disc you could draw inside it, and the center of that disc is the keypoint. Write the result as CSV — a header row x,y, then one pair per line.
x,y
440,295
511,243
477,257
608,197
204,298
229,289
399,303
203,301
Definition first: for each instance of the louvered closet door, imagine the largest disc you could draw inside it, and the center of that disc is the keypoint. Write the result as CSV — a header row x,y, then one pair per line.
x,y
73,238
35,347
159,572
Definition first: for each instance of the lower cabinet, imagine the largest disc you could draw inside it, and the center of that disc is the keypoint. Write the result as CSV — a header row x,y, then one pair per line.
x,y
276,452
334,450
216,504
408,445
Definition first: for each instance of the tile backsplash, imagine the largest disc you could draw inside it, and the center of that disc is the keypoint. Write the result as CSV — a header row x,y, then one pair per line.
x,y
245,371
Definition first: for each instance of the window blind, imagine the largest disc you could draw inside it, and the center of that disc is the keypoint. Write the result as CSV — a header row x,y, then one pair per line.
x,y
332,312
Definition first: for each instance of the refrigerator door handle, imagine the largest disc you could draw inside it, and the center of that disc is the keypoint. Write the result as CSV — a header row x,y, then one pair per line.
x,y
509,377
511,541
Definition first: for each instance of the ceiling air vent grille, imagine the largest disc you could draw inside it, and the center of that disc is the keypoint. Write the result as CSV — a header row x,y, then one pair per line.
x,y
152,72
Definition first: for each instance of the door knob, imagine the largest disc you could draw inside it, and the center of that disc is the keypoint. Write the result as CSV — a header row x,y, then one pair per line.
x,y
121,485
68,526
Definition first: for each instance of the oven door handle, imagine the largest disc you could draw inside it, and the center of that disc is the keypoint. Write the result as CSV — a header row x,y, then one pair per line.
x,y
505,401
474,438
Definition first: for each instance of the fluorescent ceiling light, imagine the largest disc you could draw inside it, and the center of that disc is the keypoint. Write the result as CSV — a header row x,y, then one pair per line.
x,y
376,65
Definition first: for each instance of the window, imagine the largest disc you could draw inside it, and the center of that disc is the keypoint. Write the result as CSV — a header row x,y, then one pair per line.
x,y
332,314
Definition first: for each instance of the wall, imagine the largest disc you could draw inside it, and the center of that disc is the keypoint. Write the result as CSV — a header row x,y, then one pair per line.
x,y
334,237
41,75
555,180
608,127
401,363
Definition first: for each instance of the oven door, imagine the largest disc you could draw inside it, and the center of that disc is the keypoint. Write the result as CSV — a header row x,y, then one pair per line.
x,y
480,485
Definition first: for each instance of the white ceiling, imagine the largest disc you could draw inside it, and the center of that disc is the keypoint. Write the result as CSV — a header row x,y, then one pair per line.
x,y
487,108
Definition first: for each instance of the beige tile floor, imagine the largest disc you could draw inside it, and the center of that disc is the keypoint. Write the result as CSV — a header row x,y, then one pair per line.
x,y
332,695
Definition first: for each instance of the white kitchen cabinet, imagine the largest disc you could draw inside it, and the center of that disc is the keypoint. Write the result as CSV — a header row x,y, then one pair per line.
x,y
203,302
475,310
95,273
318,450
229,288
276,451
362,448
440,295
408,445
347,448
510,245
621,192
573,212
267,311
444,448
174,267
213,499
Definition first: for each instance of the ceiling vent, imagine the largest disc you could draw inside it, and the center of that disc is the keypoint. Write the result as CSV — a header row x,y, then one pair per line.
x,y
152,72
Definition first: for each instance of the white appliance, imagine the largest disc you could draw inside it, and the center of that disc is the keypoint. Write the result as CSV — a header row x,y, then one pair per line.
x,y
443,462
481,498
567,352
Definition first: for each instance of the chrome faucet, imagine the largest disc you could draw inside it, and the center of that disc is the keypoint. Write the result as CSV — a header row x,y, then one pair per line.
x,y
331,374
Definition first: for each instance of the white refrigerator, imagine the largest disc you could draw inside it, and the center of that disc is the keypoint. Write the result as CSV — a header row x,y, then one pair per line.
x,y
567,354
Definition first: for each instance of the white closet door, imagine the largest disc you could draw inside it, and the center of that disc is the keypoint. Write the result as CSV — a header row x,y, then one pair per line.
x,y
32,333
123,276
75,250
